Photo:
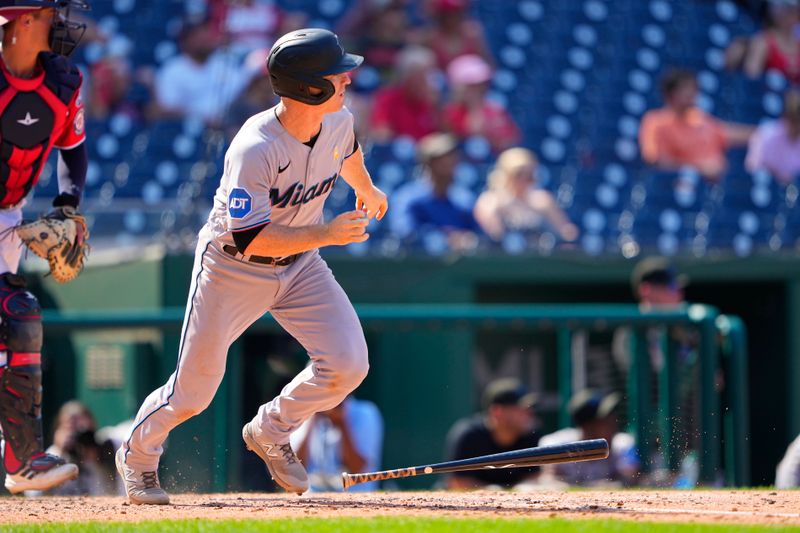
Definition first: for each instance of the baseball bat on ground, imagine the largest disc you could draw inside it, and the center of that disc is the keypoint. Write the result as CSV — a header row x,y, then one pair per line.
x,y
572,452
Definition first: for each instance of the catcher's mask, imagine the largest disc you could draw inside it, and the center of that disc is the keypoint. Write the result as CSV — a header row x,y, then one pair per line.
x,y
302,58
65,34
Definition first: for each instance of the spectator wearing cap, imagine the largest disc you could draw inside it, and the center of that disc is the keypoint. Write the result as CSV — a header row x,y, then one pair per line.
x,y
507,423
655,284
410,105
470,112
512,202
593,415
778,46
435,203
202,80
454,32
681,134
775,146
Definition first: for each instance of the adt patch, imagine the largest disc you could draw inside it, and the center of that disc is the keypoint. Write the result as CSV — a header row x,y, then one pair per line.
x,y
240,203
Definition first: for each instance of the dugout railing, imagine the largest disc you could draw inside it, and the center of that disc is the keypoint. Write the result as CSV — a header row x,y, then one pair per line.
x,y
722,390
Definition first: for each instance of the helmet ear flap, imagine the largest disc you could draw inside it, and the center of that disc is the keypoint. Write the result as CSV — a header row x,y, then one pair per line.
x,y
298,87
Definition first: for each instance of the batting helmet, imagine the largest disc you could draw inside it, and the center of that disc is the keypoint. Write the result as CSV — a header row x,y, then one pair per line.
x,y
65,34
300,59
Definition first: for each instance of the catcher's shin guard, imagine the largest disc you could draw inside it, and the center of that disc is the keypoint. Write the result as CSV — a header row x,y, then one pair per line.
x,y
20,373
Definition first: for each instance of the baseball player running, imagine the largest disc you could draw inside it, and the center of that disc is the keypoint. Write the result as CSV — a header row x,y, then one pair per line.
x,y
39,110
258,253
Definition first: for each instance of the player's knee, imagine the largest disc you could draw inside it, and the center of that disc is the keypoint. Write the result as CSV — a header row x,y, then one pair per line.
x,y
185,412
354,365
192,404
21,316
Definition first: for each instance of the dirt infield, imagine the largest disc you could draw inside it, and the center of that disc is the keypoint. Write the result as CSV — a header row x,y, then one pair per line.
x,y
720,506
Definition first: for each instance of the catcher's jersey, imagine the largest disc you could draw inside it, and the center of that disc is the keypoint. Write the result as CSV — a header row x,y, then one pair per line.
x,y
270,176
36,115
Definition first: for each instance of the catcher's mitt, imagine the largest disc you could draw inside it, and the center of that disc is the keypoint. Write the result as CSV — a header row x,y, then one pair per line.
x,y
60,237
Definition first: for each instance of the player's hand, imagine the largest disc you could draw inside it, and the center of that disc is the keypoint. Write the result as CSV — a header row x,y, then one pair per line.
x,y
373,202
347,228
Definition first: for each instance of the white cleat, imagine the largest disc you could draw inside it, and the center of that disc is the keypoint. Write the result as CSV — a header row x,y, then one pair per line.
x,y
42,472
283,464
141,487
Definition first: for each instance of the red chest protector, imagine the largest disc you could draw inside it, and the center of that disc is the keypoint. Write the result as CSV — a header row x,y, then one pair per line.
x,y
35,115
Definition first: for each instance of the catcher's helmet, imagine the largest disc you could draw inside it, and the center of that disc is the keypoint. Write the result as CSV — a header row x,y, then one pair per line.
x,y
300,59
65,34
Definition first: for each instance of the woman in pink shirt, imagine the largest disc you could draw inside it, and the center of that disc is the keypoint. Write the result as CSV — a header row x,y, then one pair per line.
x,y
775,147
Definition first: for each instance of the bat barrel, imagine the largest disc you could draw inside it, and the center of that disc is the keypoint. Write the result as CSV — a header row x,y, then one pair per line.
x,y
584,450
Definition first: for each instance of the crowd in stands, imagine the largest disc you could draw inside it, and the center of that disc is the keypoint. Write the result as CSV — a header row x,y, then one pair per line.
x,y
433,68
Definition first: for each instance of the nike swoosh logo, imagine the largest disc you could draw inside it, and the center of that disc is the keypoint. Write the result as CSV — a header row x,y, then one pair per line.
x,y
284,168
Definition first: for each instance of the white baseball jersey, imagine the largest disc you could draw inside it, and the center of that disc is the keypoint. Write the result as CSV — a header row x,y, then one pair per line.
x,y
270,176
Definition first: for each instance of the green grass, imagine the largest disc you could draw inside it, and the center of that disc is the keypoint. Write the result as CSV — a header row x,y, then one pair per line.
x,y
392,525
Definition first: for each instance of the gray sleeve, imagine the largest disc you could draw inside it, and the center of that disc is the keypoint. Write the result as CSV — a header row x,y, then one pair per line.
x,y
350,132
249,173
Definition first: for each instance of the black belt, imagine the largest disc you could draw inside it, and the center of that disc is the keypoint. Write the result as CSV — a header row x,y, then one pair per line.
x,y
260,259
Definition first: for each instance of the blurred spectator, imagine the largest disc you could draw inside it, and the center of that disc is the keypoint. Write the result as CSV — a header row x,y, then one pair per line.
x,y
656,285
787,475
778,46
109,85
409,106
435,202
507,424
203,80
681,134
594,418
453,33
736,52
348,438
775,146
376,29
513,203
248,25
255,98
75,440
470,112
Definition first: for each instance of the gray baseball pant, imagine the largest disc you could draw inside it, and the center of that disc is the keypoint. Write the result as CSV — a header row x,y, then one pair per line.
x,y
226,296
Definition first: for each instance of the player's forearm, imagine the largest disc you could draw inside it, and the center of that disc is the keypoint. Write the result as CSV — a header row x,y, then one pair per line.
x,y
72,167
275,240
355,173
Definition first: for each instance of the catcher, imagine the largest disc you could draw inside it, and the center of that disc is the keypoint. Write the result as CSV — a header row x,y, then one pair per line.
x,y
39,110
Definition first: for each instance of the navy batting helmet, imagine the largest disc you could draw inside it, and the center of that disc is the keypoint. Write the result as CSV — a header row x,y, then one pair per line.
x,y
300,59
65,34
